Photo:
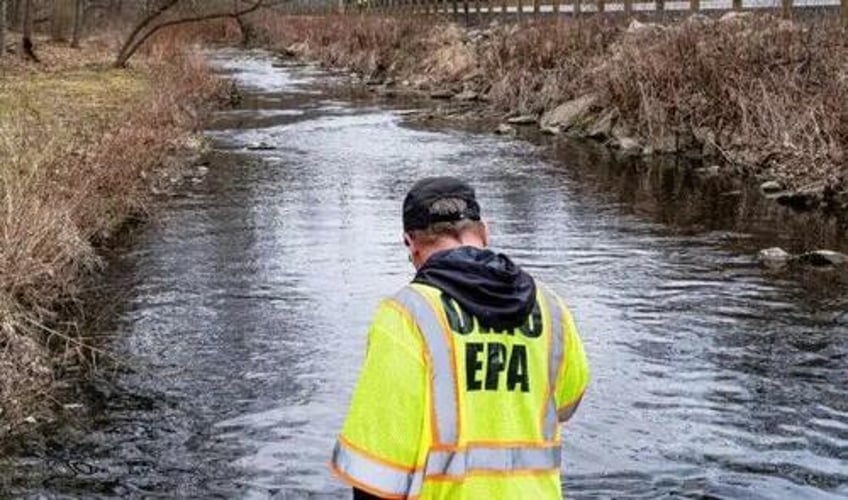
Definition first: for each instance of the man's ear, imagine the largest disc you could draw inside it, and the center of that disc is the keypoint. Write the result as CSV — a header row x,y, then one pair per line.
x,y
409,241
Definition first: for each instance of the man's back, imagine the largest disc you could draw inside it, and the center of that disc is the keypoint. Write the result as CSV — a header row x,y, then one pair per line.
x,y
472,408
469,369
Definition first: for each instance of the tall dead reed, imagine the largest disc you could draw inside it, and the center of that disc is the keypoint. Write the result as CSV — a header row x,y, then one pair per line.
x,y
536,65
770,93
372,46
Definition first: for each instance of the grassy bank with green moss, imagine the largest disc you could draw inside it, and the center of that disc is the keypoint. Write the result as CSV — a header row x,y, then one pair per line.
x,y
83,149
761,97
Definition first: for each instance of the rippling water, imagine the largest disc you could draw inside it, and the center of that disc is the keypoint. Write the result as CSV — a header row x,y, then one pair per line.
x,y
244,310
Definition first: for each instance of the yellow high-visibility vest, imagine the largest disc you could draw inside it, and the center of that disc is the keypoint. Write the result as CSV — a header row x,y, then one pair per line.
x,y
445,409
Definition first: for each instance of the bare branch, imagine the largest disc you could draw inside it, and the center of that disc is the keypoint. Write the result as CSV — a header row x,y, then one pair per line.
x,y
163,8
134,42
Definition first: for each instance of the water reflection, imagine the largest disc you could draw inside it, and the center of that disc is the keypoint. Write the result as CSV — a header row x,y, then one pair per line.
x,y
697,200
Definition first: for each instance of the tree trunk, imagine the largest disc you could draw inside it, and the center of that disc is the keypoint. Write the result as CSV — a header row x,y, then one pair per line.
x,y
844,4
27,48
248,34
61,19
3,28
12,13
79,14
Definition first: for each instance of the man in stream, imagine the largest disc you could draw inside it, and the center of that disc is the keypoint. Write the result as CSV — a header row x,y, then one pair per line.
x,y
469,369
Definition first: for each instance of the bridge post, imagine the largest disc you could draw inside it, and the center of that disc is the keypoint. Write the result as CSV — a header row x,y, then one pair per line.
x,y
695,5
661,5
535,8
786,9
628,8
845,12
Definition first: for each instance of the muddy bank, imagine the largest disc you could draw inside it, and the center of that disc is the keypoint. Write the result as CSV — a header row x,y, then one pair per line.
x,y
759,97
84,149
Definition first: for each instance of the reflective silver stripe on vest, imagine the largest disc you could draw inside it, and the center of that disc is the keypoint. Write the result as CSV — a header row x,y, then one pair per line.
x,y
445,399
555,314
381,477
460,463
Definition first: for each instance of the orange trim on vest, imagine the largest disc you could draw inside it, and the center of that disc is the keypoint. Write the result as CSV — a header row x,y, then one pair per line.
x,y
566,314
574,401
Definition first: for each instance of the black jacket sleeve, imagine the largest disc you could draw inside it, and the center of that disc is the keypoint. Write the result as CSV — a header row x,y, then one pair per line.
x,y
363,495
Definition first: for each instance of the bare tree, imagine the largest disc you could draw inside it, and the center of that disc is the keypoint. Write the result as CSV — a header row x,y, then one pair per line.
x,y
79,16
13,17
61,17
27,47
3,6
165,16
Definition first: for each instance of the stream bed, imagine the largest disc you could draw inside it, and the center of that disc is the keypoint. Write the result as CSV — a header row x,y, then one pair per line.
x,y
243,310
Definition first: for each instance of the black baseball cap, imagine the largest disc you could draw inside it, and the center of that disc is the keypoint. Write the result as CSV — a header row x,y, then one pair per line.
x,y
416,205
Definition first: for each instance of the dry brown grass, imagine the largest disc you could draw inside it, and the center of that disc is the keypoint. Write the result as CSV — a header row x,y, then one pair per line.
x,y
372,46
521,67
766,93
772,92
535,66
81,146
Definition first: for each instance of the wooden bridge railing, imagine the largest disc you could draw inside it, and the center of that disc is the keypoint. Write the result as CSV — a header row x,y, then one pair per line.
x,y
521,8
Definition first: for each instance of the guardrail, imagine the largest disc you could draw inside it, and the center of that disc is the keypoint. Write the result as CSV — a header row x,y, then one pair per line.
x,y
522,8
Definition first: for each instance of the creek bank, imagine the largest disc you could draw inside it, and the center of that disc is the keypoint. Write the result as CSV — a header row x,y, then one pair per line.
x,y
742,89
87,149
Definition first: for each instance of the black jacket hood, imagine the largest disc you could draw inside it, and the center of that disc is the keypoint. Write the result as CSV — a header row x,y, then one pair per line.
x,y
486,284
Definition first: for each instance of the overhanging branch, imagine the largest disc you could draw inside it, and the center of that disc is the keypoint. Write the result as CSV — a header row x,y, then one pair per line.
x,y
134,41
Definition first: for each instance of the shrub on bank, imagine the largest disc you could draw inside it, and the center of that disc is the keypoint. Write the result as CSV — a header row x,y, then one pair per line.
x,y
770,94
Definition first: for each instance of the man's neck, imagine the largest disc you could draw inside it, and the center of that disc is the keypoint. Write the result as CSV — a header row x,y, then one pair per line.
x,y
452,244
